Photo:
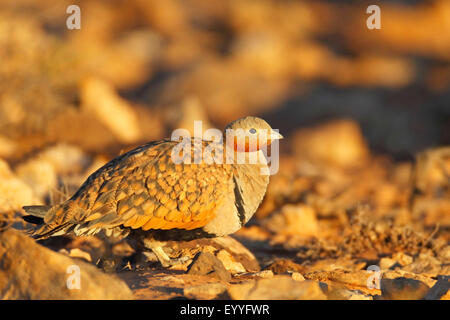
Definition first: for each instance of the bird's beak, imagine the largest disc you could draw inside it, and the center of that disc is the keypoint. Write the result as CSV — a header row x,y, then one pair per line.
x,y
275,135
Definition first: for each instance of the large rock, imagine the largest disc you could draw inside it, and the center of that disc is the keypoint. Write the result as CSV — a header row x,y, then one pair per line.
x,y
31,271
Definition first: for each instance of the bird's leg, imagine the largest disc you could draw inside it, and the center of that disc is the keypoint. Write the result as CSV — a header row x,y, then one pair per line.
x,y
108,262
157,248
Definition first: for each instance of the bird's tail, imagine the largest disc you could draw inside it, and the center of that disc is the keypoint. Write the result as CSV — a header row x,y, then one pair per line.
x,y
35,214
43,230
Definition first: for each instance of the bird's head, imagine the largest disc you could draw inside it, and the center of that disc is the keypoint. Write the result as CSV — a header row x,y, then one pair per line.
x,y
250,134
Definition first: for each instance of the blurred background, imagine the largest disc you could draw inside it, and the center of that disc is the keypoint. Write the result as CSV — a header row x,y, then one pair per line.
x,y
137,69
364,167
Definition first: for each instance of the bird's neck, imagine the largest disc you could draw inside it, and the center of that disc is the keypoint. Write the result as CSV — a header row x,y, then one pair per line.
x,y
252,180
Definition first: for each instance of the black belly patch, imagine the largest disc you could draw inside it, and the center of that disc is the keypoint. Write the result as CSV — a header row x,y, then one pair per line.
x,y
173,234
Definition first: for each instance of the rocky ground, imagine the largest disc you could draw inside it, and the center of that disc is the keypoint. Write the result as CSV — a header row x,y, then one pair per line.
x,y
360,205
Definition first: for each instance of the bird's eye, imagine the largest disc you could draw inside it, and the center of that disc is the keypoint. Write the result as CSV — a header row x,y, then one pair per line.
x,y
252,130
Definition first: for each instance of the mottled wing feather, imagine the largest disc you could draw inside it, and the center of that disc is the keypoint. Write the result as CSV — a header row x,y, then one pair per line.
x,y
146,189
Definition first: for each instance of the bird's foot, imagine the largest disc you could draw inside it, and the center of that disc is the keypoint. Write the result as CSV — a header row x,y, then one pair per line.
x,y
162,256
167,263
108,264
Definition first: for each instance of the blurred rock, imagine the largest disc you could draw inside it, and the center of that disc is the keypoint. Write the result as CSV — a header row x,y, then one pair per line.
x,y
78,253
39,175
440,288
389,71
14,193
7,147
23,275
233,100
209,290
100,99
425,262
282,266
276,288
399,273
431,170
41,172
64,158
229,263
67,125
403,289
339,143
293,219
297,276
387,263
430,189
402,259
356,278
412,28
191,111
345,294
264,274
444,253
206,264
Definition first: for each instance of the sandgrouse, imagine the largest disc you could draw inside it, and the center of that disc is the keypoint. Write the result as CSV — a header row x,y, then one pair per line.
x,y
146,194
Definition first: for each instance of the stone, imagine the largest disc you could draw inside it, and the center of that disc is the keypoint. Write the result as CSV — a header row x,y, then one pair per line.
x,y
338,142
206,264
14,193
282,266
426,263
264,274
440,288
64,158
228,262
346,294
444,253
425,278
402,258
293,220
40,175
31,271
77,253
101,100
260,274
297,276
7,147
356,278
276,288
41,172
234,256
430,199
210,290
403,289
387,263
191,110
